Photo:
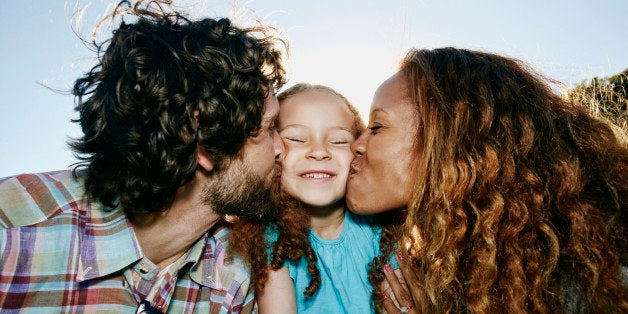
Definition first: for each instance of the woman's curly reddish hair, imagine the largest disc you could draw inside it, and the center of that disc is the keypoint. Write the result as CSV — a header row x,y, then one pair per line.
x,y
520,205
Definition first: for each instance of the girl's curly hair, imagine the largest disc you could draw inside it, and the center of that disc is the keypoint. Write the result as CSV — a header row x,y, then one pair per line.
x,y
164,85
521,200
292,243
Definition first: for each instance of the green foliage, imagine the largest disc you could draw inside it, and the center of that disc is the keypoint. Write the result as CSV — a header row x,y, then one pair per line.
x,y
606,98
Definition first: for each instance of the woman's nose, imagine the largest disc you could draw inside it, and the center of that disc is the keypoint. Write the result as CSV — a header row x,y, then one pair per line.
x,y
358,147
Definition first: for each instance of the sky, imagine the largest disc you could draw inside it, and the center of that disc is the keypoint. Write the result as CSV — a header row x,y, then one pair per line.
x,y
349,45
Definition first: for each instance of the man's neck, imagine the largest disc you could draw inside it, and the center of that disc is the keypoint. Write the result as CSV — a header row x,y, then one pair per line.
x,y
167,235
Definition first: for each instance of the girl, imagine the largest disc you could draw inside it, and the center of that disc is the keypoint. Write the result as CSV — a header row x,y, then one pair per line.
x,y
317,126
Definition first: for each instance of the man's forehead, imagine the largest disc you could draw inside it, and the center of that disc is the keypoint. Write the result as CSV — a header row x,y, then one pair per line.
x,y
271,107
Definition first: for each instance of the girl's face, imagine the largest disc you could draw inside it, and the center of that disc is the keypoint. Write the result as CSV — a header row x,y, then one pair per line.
x,y
381,176
317,129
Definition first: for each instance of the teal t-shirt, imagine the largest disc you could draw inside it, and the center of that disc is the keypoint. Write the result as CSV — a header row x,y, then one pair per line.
x,y
343,264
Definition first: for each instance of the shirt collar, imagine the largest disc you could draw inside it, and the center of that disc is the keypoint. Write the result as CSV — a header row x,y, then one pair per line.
x,y
107,242
108,245
213,269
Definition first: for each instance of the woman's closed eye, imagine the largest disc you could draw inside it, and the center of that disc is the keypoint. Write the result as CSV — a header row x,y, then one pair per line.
x,y
375,128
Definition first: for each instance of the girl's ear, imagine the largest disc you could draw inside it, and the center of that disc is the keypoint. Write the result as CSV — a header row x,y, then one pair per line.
x,y
204,159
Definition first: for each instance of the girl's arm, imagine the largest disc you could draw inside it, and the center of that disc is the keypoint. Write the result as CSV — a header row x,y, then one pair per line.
x,y
278,295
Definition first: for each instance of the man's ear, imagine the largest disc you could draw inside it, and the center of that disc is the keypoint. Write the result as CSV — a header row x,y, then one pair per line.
x,y
204,159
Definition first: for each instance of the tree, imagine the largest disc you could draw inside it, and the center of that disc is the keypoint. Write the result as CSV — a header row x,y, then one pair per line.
x,y
606,98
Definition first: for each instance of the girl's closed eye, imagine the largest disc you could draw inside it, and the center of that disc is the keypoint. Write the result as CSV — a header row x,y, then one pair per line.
x,y
294,139
339,141
343,140
340,137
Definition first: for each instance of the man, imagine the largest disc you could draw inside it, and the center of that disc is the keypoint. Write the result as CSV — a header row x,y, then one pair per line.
x,y
178,122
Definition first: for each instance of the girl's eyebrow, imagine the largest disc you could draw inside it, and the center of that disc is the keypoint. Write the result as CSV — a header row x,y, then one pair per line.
x,y
342,128
294,125
301,126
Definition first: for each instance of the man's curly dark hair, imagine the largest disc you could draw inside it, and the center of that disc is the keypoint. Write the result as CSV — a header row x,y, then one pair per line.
x,y
165,85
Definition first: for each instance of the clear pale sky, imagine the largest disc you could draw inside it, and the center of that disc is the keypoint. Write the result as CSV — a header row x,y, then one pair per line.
x,y
350,45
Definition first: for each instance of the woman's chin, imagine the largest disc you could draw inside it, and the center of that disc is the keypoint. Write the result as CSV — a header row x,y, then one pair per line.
x,y
358,207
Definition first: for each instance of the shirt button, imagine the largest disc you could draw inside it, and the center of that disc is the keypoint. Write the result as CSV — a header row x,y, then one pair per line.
x,y
86,271
144,268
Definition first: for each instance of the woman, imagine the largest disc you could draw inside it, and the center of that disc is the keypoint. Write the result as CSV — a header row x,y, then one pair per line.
x,y
502,195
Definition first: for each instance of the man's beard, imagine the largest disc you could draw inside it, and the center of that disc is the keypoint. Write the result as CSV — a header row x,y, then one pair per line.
x,y
236,190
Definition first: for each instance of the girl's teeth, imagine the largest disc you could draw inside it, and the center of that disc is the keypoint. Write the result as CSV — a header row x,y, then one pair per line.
x,y
317,175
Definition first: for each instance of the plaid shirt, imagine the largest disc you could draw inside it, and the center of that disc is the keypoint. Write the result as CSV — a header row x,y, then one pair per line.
x,y
63,253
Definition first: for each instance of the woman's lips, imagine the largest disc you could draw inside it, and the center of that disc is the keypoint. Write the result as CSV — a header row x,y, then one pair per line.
x,y
353,169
